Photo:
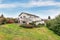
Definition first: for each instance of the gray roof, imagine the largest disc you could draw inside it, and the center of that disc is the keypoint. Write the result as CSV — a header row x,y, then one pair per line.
x,y
29,14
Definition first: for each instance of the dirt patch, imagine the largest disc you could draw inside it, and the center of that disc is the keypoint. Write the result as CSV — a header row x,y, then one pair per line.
x,y
23,38
1,37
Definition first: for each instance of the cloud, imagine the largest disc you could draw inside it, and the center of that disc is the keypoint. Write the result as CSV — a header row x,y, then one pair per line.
x,y
0,13
31,3
42,3
7,5
53,13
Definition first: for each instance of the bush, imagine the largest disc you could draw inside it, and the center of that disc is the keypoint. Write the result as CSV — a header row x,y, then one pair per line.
x,y
40,25
31,25
15,20
27,26
4,20
10,21
54,25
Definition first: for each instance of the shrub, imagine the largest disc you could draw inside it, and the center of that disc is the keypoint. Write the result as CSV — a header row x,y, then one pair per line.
x,y
40,25
27,26
54,25
33,23
10,21
15,20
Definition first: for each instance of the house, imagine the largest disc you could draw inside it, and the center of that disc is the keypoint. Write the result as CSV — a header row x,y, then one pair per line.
x,y
25,18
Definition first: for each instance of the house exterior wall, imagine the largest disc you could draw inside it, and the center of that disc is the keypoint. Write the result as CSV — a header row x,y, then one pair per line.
x,y
28,19
23,17
40,22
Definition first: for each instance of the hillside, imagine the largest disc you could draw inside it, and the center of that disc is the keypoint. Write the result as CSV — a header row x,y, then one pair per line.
x,y
14,32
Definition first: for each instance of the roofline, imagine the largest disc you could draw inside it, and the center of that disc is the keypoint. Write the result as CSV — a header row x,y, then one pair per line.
x,y
28,14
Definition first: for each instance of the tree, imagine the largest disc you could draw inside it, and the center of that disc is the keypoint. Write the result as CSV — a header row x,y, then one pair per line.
x,y
2,15
49,17
3,20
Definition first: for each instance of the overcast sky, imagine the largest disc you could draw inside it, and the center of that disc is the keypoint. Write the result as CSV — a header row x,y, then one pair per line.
x,y
42,8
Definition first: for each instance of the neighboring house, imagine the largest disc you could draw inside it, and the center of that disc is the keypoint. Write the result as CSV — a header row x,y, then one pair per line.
x,y
25,18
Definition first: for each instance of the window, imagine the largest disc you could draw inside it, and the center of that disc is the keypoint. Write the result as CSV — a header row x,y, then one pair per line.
x,y
24,16
20,17
24,22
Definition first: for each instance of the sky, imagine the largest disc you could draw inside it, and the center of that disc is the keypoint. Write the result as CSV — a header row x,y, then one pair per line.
x,y
41,8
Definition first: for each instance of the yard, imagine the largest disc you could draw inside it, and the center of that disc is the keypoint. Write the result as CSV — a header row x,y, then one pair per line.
x,y
14,32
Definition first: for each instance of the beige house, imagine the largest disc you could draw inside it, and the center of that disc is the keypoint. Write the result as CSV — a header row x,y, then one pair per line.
x,y
25,18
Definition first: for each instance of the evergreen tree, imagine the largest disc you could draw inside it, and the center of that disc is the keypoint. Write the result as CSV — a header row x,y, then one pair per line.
x,y
2,15
49,17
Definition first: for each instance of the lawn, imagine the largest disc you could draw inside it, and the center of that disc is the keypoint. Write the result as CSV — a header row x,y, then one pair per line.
x,y
15,32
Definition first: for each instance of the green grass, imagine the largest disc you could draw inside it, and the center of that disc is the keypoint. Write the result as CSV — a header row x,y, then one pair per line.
x,y
14,32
